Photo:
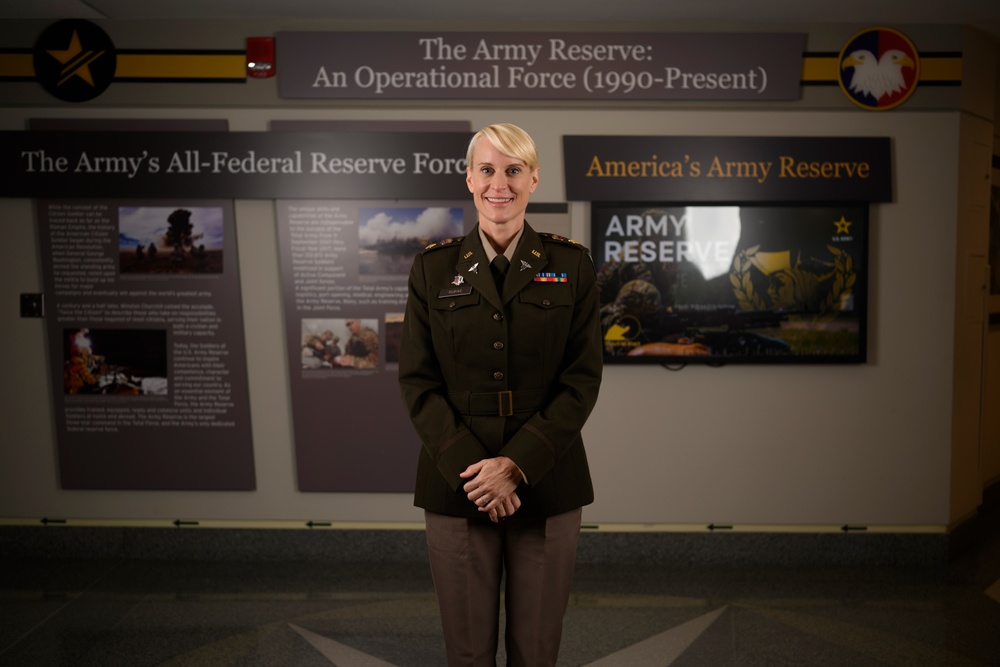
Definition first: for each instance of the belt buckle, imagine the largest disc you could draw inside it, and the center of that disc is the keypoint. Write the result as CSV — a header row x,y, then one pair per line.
x,y
510,403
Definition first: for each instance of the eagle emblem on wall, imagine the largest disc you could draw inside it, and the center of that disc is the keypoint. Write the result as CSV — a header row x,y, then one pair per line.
x,y
879,69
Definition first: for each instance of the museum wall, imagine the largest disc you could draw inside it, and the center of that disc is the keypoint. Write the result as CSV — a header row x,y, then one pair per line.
x,y
814,445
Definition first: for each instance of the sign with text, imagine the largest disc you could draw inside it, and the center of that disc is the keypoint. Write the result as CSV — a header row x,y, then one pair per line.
x,y
734,169
344,267
234,165
540,66
145,334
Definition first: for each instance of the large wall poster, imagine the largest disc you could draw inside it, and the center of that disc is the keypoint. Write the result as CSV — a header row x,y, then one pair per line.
x,y
345,266
146,340
728,283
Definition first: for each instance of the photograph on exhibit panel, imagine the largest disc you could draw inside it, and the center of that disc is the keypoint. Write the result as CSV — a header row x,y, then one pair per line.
x,y
390,237
164,240
114,362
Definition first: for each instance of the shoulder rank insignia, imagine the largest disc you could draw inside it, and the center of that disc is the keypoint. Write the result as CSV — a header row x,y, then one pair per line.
x,y
444,243
562,239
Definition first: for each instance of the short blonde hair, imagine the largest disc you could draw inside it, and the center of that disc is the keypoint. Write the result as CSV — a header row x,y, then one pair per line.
x,y
510,140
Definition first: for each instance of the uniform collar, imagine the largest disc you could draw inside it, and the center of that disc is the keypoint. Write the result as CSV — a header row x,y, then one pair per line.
x,y
511,248
527,246
527,257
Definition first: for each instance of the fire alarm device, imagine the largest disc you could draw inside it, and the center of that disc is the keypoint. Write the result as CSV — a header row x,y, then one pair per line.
x,y
260,57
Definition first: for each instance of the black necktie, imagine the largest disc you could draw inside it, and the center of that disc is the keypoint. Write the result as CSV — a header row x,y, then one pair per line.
x,y
499,268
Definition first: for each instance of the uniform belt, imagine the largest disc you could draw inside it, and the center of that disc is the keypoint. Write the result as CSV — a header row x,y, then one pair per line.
x,y
497,403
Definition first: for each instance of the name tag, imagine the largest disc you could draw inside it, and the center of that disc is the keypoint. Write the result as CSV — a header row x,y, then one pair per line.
x,y
449,292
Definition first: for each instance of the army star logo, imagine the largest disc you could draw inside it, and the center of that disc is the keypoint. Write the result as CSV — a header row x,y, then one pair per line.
x,y
843,225
75,60
80,65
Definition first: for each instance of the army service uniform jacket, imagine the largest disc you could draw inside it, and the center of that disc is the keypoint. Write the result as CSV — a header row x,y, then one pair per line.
x,y
516,375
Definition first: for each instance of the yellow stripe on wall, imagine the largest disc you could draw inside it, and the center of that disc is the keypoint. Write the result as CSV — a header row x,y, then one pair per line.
x,y
821,69
815,69
940,69
17,64
147,66
176,66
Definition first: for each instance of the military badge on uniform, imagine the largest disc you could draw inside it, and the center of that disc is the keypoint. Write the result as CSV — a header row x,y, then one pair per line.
x,y
524,265
551,278
457,280
474,268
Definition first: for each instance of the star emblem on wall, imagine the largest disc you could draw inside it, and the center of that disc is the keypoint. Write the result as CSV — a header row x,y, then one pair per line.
x,y
75,60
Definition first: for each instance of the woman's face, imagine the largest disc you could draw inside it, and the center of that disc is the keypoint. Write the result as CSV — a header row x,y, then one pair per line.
x,y
500,185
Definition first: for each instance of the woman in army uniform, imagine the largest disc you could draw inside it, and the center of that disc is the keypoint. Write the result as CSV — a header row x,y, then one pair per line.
x,y
499,378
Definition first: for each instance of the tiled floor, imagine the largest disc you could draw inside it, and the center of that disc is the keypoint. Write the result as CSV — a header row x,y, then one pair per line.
x,y
138,613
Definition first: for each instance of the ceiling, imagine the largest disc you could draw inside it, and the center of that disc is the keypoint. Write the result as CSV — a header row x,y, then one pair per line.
x,y
984,14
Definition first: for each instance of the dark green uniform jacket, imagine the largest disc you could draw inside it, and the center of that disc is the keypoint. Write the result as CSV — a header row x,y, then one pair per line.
x,y
483,375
